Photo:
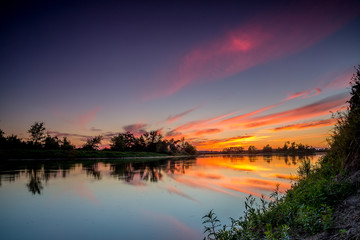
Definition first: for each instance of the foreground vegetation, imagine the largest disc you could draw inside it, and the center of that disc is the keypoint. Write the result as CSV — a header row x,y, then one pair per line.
x,y
308,207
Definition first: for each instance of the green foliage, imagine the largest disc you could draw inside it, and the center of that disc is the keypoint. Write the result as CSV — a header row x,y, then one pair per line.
x,y
306,208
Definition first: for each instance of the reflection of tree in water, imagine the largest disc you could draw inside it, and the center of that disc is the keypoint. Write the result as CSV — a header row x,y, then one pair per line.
x,y
93,171
268,158
150,171
37,172
35,186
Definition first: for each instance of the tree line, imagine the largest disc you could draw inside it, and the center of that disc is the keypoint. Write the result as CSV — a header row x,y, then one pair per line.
x,y
288,148
151,141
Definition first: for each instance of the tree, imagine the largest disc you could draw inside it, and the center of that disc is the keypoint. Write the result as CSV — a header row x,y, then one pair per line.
x,y
13,142
2,139
118,143
267,149
51,142
37,133
93,143
189,149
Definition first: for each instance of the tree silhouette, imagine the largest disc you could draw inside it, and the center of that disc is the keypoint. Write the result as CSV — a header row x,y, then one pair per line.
x,y
37,133
93,143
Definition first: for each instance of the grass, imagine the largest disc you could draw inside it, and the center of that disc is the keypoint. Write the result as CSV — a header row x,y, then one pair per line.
x,y
305,210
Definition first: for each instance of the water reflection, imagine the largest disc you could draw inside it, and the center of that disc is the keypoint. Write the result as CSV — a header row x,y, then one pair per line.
x,y
206,175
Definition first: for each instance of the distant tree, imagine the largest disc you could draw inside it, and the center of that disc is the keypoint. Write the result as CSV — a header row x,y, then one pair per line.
x,y
286,147
252,149
267,149
66,144
92,143
51,142
37,133
233,150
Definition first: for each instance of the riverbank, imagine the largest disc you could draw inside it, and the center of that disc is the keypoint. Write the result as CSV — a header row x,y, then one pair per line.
x,y
26,154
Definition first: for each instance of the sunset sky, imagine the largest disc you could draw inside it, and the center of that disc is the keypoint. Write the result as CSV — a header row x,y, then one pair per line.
x,y
218,73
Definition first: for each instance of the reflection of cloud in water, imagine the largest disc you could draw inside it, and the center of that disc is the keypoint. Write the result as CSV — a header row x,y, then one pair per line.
x,y
200,184
209,175
171,227
284,176
239,189
174,190
83,191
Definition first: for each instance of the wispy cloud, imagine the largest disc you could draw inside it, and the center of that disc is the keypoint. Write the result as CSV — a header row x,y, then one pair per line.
x,y
176,191
81,121
236,118
206,131
268,36
176,117
61,134
312,124
94,129
304,94
318,108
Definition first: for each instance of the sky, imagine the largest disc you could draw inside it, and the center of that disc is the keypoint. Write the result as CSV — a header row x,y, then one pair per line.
x,y
219,73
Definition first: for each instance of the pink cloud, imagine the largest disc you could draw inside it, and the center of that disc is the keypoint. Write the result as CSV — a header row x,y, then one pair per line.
x,y
178,229
171,119
83,191
267,36
81,121
318,108
305,94
137,128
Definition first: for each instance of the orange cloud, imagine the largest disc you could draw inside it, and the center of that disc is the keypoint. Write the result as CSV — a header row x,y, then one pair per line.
x,y
268,36
320,123
206,131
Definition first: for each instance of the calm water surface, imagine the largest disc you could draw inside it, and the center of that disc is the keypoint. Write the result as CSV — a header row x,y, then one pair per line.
x,y
158,199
